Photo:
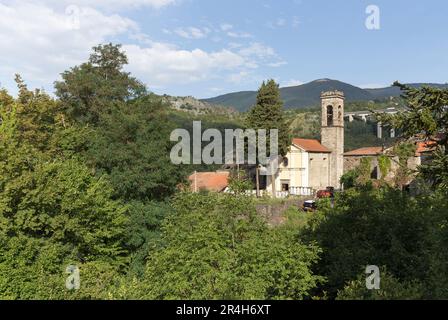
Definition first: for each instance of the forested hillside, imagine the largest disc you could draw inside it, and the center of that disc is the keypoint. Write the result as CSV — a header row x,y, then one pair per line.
x,y
308,94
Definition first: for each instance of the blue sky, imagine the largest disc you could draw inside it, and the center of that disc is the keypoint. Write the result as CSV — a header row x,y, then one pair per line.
x,y
209,47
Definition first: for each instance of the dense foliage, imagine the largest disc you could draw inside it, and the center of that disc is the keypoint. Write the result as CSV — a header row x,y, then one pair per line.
x,y
384,227
217,247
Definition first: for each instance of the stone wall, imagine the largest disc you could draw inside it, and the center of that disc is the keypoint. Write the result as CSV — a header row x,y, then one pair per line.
x,y
274,213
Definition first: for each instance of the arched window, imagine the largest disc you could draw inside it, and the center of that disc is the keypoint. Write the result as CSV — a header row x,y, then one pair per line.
x,y
329,115
339,113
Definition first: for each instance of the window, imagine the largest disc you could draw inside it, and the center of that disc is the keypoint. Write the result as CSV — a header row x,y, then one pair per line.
x,y
285,162
285,185
329,115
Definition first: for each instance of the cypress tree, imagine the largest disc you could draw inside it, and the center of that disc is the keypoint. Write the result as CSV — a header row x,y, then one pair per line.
x,y
268,114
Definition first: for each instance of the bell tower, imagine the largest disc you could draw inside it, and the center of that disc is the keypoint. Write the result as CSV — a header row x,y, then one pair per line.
x,y
332,133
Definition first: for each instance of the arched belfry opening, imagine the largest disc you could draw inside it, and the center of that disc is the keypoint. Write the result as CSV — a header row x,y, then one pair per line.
x,y
329,115
332,133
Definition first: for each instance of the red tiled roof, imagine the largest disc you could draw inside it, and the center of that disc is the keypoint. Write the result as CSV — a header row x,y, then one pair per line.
x,y
210,181
368,151
424,146
310,145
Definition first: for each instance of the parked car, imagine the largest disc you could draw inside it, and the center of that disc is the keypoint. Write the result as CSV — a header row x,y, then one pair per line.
x,y
309,206
327,193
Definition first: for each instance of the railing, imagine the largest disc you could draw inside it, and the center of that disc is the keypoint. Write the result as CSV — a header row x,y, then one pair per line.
x,y
296,191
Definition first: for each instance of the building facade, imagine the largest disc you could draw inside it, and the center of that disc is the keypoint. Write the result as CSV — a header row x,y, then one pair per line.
x,y
312,165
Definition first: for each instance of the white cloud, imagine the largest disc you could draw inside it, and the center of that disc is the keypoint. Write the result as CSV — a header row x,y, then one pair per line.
x,y
104,4
163,64
238,77
226,27
281,22
291,83
296,22
192,32
40,42
234,34
277,64
259,50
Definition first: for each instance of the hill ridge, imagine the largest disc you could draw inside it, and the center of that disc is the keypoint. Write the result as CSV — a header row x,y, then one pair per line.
x,y
308,94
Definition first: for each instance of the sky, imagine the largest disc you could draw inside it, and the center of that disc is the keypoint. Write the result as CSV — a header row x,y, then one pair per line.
x,y
205,48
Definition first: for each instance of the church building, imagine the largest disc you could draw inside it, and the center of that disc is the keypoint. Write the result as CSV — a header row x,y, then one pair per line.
x,y
312,164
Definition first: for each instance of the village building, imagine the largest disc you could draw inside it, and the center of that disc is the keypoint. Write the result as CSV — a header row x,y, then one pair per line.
x,y
423,150
312,165
209,181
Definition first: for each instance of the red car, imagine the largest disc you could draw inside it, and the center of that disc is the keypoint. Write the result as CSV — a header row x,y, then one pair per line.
x,y
327,193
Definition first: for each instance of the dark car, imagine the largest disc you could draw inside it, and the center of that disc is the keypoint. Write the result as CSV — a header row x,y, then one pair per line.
x,y
309,206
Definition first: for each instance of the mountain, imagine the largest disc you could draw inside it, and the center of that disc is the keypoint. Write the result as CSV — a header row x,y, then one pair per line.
x,y
308,94
196,107
382,93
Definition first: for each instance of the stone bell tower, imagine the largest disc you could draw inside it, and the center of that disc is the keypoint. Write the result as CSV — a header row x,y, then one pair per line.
x,y
332,133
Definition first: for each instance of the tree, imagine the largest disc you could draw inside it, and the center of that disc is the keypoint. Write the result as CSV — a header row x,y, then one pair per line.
x,y
132,146
129,129
390,289
383,227
268,114
239,184
217,247
53,211
426,118
122,132
96,87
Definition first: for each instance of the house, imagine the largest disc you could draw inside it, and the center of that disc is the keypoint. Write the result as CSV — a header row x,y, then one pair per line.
x,y
352,159
209,181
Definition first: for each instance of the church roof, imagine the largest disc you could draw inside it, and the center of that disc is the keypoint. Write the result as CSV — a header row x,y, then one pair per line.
x,y
310,145
368,151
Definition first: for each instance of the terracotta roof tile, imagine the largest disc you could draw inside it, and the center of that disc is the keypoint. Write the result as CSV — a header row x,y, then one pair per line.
x,y
425,146
310,145
210,181
368,151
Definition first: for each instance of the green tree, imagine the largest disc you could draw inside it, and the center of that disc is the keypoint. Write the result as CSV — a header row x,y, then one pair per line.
x,y
217,247
426,118
268,114
53,211
239,183
383,227
98,86
390,289
132,146
128,128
